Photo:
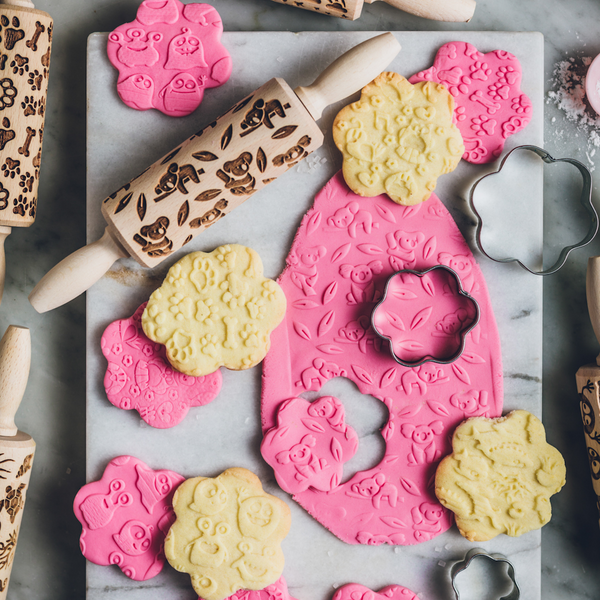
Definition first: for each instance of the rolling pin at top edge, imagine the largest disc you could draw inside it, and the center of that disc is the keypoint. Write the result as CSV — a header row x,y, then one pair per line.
x,y
215,170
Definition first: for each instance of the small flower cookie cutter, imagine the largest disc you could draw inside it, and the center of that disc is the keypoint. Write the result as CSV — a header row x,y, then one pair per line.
x,y
462,332
585,199
474,553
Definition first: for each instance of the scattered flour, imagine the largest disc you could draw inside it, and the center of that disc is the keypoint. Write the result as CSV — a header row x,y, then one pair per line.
x,y
311,164
568,94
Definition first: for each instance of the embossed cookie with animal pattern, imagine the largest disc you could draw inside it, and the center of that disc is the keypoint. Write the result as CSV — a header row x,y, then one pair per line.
x,y
126,515
500,476
228,534
140,377
490,106
168,56
344,252
215,309
398,139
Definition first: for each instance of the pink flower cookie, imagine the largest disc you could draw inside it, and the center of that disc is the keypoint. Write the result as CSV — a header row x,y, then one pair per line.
x,y
489,103
140,377
275,591
126,516
168,56
344,252
355,591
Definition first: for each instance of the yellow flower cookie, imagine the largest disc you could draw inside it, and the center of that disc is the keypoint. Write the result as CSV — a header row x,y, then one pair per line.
x,y
215,309
398,139
227,534
500,476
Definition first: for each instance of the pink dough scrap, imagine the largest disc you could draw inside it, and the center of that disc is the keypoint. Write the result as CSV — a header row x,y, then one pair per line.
x,y
275,591
355,591
489,103
345,250
168,56
126,515
140,377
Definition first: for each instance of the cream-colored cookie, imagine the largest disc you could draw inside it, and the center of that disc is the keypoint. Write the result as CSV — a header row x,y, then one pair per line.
x,y
227,534
500,476
215,309
398,139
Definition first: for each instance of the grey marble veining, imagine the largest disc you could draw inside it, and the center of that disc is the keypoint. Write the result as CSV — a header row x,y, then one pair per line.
x,y
48,563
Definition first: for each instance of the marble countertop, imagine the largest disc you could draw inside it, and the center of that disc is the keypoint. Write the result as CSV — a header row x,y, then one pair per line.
x,y
48,563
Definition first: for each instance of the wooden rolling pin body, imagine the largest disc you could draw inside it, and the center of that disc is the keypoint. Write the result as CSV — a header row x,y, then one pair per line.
x,y
588,380
16,448
214,171
438,10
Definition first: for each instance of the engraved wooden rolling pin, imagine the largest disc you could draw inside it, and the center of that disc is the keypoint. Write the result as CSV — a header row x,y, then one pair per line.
x,y
212,172
16,448
588,379
438,10
26,36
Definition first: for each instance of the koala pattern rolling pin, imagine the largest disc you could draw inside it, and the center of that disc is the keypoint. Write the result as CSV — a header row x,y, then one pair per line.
x,y
212,172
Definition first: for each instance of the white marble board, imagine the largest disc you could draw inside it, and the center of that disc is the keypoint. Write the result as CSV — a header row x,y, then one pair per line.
x,y
122,142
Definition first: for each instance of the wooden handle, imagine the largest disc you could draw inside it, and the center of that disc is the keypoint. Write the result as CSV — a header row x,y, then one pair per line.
x,y
458,11
349,73
15,360
24,63
592,289
4,232
76,273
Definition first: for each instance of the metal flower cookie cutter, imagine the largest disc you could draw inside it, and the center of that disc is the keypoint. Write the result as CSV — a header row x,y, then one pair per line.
x,y
425,316
585,199
462,565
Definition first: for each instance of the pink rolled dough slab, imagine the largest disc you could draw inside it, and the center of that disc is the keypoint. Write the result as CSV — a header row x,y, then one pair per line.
x,y
140,377
168,56
126,515
489,103
275,591
343,253
355,591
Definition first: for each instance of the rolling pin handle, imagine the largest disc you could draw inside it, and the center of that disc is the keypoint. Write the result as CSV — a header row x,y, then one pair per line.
x,y
4,232
457,11
349,73
76,273
592,290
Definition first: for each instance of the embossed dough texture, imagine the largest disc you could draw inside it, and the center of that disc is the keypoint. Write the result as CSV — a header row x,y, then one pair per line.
x,y
168,56
355,591
490,106
126,515
343,253
140,377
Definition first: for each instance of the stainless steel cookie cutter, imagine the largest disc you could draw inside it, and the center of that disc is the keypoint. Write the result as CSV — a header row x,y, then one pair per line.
x,y
474,553
585,200
462,333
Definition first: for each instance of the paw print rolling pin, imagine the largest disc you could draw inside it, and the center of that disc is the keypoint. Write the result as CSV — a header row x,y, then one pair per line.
x,y
16,448
25,40
438,10
212,172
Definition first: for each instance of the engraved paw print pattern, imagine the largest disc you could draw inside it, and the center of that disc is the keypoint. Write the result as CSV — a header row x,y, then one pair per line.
x,y
227,534
25,41
168,56
355,591
490,106
126,515
398,139
140,377
215,309
356,244
500,476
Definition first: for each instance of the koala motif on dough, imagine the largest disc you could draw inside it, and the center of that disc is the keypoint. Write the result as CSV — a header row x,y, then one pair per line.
x,y
462,265
470,402
362,287
451,324
427,374
352,218
426,520
402,246
303,263
358,332
319,373
423,446
375,488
